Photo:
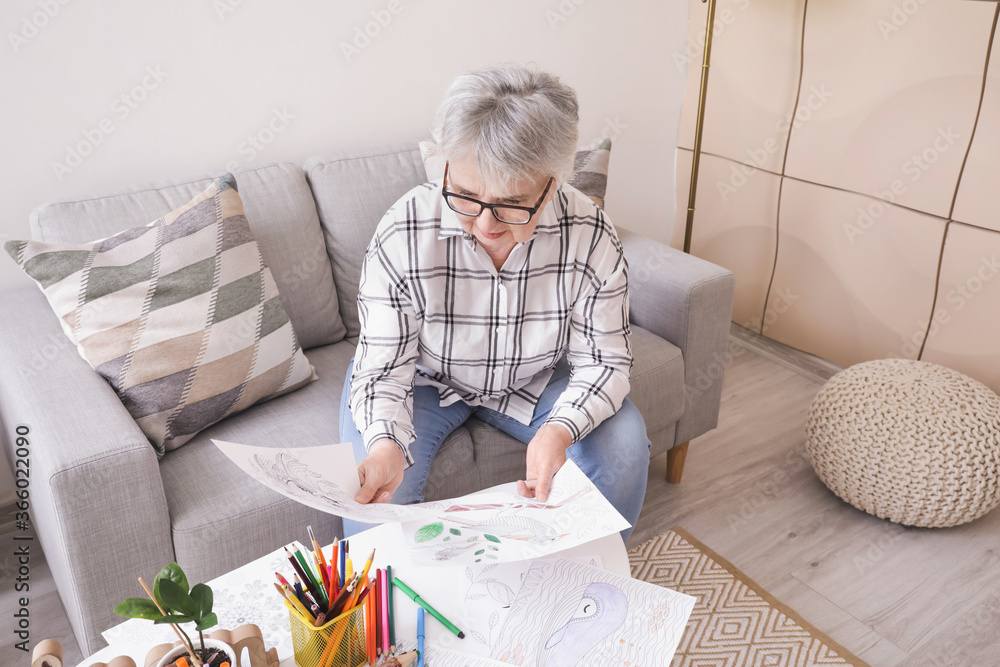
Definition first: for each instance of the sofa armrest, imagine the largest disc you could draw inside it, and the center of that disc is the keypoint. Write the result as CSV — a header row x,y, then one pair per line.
x,y
96,497
688,302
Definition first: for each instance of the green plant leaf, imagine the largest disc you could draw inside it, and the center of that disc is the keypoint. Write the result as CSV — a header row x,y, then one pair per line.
x,y
479,552
454,531
171,572
428,532
491,538
177,599
202,596
173,618
138,608
206,622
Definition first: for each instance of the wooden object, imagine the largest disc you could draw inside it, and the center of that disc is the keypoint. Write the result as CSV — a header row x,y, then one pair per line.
x,y
244,637
675,462
48,653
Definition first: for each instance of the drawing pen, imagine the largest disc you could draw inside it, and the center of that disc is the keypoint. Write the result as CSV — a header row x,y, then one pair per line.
x,y
420,634
343,559
409,592
392,620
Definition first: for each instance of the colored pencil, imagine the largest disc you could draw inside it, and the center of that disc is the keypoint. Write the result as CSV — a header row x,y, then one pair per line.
x,y
294,602
319,558
384,606
306,581
316,588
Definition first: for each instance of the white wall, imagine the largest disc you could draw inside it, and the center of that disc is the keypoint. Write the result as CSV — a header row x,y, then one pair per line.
x,y
203,77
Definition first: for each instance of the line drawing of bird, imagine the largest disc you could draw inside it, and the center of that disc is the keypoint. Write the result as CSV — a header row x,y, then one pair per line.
x,y
601,611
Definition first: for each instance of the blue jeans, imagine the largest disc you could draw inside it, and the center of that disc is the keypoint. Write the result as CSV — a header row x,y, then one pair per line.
x,y
615,455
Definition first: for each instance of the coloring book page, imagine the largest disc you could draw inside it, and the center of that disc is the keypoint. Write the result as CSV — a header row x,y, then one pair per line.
x,y
489,592
498,525
495,525
443,657
569,614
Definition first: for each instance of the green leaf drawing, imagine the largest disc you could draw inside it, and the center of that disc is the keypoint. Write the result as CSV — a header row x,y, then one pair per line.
x,y
446,538
479,552
454,531
429,532
491,538
473,538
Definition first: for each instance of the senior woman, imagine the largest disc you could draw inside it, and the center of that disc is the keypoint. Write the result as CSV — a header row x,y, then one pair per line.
x,y
474,289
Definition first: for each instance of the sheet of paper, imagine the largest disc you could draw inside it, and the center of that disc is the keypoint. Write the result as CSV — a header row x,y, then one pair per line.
x,y
494,525
443,657
489,592
567,613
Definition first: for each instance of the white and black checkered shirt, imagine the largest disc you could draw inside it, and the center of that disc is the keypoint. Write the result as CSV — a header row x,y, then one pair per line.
x,y
435,311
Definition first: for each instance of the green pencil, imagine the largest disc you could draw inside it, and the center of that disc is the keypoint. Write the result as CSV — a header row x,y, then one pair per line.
x,y
321,593
430,610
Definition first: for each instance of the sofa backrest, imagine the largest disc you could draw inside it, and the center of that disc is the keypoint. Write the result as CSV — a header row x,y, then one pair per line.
x,y
353,190
282,215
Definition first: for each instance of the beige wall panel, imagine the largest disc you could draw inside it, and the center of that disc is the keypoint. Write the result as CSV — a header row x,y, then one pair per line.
x,y
854,276
754,70
964,332
734,226
978,200
900,82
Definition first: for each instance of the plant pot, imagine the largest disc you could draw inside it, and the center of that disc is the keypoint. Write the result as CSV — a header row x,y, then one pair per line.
x,y
210,646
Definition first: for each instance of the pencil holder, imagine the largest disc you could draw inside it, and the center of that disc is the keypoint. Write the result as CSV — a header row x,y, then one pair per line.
x,y
346,632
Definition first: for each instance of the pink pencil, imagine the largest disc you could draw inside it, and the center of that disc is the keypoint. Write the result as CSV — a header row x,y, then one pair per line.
x,y
384,608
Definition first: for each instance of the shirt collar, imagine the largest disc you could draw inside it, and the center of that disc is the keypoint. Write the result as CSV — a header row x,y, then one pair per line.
x,y
548,220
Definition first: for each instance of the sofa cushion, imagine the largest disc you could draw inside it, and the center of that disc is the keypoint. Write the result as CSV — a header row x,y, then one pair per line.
x,y
353,191
657,383
211,521
180,316
283,220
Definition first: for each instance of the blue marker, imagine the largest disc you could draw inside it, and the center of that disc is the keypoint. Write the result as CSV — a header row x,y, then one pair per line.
x,y
343,562
420,637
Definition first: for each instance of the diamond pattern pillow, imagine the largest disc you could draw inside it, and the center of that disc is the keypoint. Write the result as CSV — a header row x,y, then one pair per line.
x,y
181,316
590,168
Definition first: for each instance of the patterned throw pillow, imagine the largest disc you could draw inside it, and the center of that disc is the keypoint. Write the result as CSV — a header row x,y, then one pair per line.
x,y
181,316
590,168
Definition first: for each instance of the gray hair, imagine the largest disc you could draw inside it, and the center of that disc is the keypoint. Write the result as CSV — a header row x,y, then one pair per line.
x,y
518,123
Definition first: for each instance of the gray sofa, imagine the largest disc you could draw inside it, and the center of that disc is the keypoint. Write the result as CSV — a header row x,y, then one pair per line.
x,y
106,510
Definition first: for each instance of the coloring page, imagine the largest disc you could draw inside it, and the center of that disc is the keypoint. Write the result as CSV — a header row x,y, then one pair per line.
x,y
569,614
501,526
495,525
442,657
490,591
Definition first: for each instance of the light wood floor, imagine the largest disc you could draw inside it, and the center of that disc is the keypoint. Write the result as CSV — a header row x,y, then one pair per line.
x,y
893,595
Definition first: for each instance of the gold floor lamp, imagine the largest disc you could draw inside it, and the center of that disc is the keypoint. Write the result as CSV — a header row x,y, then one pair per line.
x,y
699,126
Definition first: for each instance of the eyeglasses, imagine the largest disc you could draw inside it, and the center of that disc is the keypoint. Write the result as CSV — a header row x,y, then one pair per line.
x,y
505,213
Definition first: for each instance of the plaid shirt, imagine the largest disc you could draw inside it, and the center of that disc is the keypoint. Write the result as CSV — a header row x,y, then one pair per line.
x,y
435,311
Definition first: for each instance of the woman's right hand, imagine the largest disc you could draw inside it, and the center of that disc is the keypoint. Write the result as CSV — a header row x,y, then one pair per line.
x,y
381,472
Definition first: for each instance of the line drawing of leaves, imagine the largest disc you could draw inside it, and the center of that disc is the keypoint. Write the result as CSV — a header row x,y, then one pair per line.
x,y
468,573
479,637
476,596
589,526
488,568
500,591
494,617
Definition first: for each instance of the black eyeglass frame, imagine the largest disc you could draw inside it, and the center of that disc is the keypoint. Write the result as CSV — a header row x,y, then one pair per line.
x,y
483,205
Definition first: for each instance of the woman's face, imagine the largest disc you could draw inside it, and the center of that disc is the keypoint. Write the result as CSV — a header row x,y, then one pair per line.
x,y
498,238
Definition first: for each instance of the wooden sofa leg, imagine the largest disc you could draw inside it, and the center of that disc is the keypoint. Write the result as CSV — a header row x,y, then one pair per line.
x,y
675,462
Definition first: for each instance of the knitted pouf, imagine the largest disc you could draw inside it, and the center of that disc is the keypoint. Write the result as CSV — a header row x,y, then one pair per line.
x,y
908,441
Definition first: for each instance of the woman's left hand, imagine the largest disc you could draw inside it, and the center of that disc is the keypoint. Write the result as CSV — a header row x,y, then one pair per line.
x,y
546,454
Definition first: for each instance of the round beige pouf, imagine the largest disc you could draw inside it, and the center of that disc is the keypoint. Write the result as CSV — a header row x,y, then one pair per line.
x,y
908,441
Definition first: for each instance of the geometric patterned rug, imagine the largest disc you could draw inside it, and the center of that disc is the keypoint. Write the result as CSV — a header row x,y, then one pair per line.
x,y
735,622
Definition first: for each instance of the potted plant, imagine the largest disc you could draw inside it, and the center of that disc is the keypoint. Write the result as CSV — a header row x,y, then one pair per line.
x,y
172,601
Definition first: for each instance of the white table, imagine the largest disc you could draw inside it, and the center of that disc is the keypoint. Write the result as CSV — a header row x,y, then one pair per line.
x,y
246,595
